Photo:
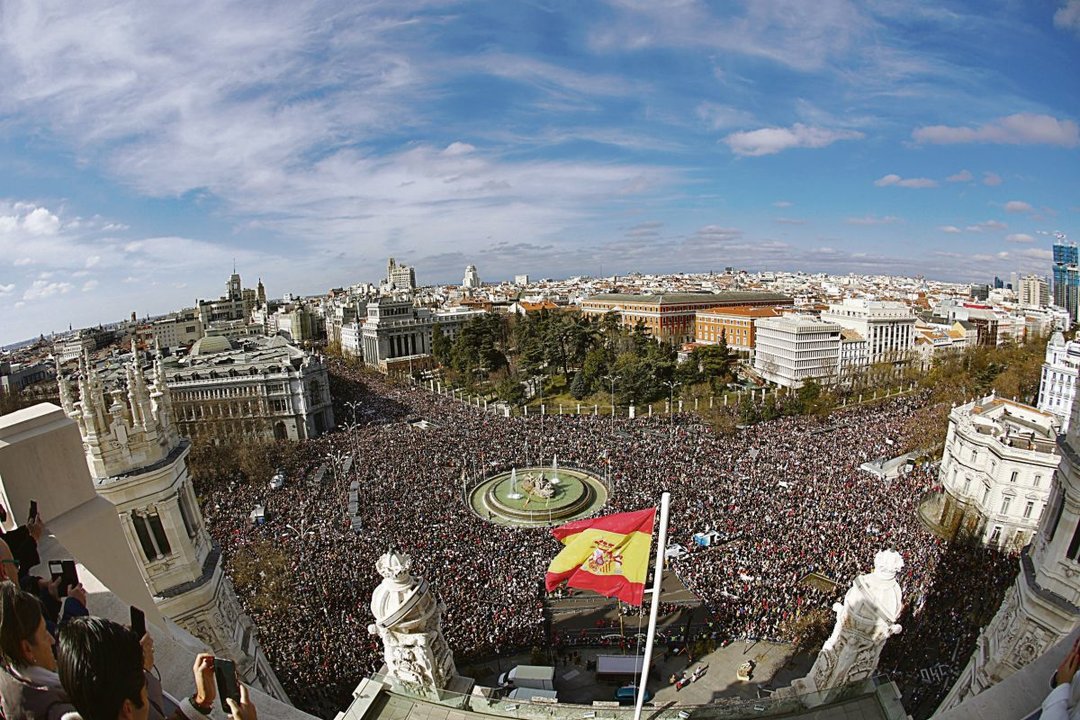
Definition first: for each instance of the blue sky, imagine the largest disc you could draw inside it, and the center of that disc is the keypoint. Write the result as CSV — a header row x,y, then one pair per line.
x,y
145,146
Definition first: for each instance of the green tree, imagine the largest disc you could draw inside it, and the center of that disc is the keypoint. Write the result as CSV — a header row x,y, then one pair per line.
x,y
441,346
579,388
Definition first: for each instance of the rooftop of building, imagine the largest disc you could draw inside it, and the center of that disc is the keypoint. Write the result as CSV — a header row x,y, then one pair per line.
x,y
1019,426
741,311
254,353
683,298
798,321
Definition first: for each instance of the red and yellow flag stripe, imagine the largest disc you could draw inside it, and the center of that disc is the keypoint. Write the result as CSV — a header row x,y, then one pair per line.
x,y
608,555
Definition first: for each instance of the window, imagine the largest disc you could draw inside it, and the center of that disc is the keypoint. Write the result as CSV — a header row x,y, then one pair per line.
x,y
974,455
1037,480
151,534
185,513
1074,545
1015,474
967,485
995,537
1058,505
1005,502
986,495
1028,508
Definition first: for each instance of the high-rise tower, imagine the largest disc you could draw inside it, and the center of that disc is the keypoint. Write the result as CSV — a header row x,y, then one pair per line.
x,y
1067,276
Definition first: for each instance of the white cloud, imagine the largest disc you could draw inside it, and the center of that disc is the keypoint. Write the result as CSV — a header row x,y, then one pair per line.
x,y
991,179
1067,16
7,289
41,222
805,36
42,289
1018,206
89,285
951,229
873,220
962,176
458,148
894,179
721,117
768,141
23,262
1019,238
1018,129
93,260
782,204
986,225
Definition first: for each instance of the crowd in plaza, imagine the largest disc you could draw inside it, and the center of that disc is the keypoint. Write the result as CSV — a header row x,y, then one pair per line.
x,y
788,498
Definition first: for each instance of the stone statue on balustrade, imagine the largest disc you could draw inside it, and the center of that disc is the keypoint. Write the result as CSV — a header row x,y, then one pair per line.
x,y
408,620
865,620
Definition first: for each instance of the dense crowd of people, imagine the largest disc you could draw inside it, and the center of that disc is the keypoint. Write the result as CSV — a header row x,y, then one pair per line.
x,y
787,497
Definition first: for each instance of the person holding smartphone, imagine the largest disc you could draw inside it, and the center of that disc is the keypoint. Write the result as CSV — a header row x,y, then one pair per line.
x,y
29,684
102,668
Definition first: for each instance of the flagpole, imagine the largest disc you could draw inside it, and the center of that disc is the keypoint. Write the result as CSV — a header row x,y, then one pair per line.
x,y
654,609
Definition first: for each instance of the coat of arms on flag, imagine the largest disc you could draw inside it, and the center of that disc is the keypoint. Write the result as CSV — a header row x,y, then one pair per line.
x,y
608,555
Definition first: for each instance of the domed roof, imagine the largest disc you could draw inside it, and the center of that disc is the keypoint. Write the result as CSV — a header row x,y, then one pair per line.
x,y
210,345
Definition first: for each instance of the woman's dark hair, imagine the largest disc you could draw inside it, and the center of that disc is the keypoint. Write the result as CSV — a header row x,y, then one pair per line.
x,y
20,616
100,666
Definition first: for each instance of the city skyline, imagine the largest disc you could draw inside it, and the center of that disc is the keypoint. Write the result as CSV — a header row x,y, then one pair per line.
x,y
148,151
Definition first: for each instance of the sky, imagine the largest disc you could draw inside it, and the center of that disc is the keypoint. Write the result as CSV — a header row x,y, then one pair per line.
x,y
146,147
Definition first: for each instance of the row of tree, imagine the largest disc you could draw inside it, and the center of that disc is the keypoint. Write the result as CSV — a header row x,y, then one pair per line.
x,y
508,353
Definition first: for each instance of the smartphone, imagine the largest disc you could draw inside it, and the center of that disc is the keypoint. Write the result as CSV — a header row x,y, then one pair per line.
x,y
227,686
56,568
138,622
69,575
33,511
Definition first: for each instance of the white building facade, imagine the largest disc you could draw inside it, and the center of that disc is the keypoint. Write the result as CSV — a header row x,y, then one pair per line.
x,y
472,278
138,461
1034,291
396,329
792,349
1057,387
888,327
264,390
1043,605
996,470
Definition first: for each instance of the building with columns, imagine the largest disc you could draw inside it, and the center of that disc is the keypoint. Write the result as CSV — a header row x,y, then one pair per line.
x,y
1057,387
138,462
996,471
1043,605
395,329
887,327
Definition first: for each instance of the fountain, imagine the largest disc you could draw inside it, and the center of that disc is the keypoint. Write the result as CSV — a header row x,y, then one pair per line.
x,y
513,494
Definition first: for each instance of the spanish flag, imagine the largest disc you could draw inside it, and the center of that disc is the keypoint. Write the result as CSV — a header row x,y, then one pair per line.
x,y
608,555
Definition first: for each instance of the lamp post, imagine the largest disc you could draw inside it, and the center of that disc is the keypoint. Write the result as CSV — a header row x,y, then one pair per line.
x,y
612,378
671,384
540,379
351,428
352,405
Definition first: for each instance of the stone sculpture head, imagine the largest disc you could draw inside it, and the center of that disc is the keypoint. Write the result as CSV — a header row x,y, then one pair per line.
x,y
887,564
393,565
